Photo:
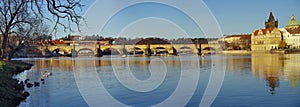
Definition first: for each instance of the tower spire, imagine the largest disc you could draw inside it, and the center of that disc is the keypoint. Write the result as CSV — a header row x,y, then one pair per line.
x,y
271,23
271,17
293,17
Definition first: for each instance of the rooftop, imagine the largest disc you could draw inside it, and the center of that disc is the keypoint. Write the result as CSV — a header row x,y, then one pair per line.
x,y
292,22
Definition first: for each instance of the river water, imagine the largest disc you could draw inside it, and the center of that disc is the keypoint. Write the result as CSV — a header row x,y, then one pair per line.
x,y
250,80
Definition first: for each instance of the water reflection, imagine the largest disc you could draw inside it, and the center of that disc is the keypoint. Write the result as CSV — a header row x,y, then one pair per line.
x,y
269,67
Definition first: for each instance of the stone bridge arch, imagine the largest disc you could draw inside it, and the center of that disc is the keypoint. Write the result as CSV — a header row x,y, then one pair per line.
x,y
86,51
111,51
184,47
209,50
136,50
160,50
185,50
61,51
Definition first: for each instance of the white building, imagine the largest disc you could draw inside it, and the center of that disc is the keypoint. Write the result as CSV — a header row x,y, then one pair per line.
x,y
292,33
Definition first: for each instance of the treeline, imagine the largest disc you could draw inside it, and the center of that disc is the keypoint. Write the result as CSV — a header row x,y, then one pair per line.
x,y
152,40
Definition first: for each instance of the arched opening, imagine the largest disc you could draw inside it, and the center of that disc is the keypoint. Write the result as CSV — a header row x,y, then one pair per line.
x,y
185,50
160,51
136,51
209,50
86,52
59,52
111,51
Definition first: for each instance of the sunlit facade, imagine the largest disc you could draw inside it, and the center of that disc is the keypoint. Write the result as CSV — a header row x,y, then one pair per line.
x,y
292,32
268,38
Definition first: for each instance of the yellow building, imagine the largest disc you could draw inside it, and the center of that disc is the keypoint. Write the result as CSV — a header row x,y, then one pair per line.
x,y
268,38
265,39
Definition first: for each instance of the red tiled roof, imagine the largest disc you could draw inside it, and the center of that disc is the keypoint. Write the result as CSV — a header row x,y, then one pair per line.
x,y
237,35
245,37
294,31
264,31
58,41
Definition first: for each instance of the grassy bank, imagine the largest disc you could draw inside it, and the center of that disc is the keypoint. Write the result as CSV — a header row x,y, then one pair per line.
x,y
11,92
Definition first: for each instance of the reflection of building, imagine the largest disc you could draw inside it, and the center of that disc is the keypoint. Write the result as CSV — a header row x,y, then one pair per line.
x,y
283,67
268,38
271,72
291,69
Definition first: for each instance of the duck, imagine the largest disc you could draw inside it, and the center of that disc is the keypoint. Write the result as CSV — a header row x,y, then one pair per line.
x,y
36,84
47,74
26,81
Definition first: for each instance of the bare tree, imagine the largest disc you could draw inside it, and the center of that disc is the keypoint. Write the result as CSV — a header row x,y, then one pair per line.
x,y
21,15
25,34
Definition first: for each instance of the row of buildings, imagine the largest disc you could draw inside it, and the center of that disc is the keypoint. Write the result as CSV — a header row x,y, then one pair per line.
x,y
272,37
269,38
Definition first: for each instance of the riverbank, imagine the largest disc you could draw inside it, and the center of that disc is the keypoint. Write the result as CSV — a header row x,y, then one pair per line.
x,y
11,92
236,52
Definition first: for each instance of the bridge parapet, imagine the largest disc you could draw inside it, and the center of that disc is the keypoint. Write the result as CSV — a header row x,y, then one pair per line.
x,y
93,46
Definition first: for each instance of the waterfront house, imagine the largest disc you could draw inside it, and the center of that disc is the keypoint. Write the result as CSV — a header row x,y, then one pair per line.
x,y
292,33
267,38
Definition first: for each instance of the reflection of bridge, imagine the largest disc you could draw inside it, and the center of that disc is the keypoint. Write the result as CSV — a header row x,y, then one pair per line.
x,y
91,47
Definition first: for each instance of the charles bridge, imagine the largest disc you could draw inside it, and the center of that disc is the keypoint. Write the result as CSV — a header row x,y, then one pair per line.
x,y
95,47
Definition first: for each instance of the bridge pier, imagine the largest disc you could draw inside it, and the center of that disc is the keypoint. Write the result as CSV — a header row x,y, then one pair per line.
x,y
148,50
154,52
173,51
46,52
123,51
74,53
199,50
99,53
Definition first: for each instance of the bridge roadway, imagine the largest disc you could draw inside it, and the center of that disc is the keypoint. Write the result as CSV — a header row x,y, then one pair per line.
x,y
92,46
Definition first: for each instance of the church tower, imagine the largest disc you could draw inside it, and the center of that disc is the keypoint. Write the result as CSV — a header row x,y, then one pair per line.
x,y
271,22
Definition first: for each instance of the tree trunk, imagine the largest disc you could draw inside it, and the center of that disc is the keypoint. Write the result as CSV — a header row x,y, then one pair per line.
x,y
14,50
4,44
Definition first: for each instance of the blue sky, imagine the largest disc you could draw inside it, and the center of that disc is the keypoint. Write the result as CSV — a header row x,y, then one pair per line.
x,y
244,16
146,20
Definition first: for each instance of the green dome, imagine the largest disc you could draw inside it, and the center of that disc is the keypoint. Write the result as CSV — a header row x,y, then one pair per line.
x,y
293,22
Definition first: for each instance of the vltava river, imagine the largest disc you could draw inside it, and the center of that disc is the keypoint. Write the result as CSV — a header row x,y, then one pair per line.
x,y
250,80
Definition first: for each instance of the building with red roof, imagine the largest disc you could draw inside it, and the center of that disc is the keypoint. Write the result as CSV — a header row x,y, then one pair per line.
x,y
237,42
267,38
292,33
